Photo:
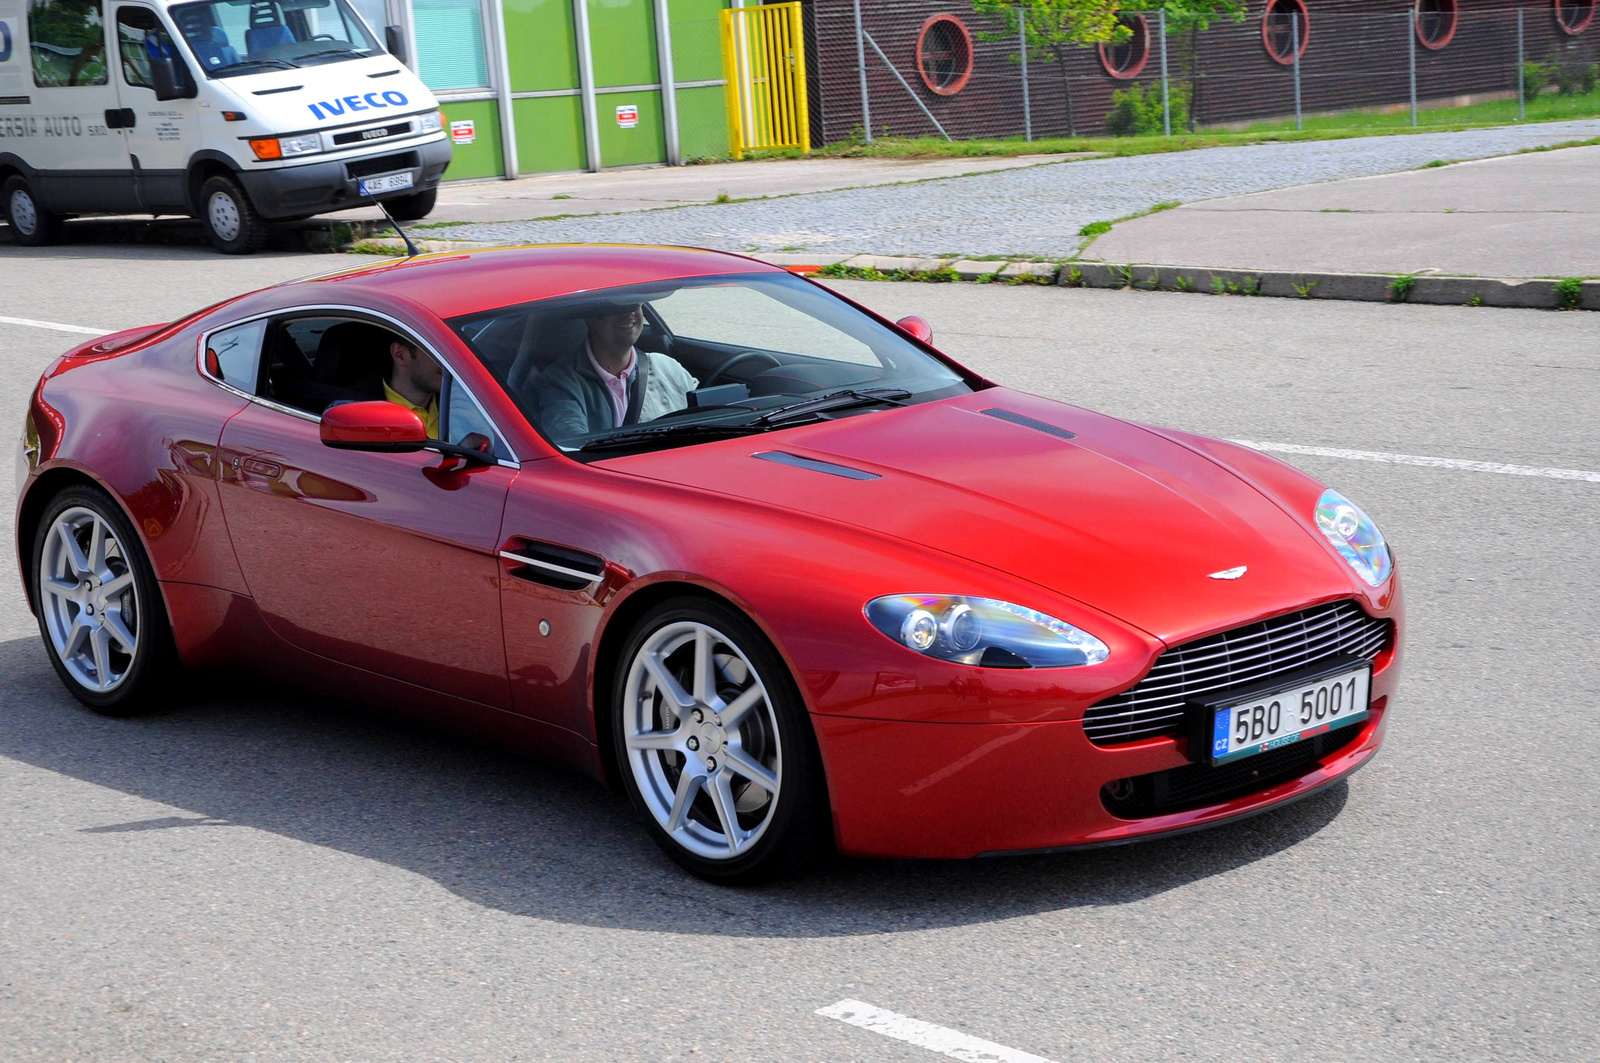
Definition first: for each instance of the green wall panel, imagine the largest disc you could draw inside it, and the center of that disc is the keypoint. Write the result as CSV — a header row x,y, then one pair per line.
x,y
481,158
644,143
703,124
542,45
623,36
696,39
549,134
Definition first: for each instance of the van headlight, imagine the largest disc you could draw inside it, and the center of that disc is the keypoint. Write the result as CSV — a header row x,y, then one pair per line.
x,y
983,632
267,148
431,122
1355,536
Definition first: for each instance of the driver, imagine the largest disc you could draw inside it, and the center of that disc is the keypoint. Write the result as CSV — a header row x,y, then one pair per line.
x,y
608,383
413,381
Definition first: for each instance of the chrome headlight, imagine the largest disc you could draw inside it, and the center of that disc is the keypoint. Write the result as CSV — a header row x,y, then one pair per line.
x,y
1355,536
983,631
302,145
431,122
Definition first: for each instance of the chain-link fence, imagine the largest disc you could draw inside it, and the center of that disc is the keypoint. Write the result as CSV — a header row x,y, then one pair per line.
x,y
913,68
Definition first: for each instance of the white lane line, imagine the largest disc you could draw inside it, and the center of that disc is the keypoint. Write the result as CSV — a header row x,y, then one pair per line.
x,y
56,325
1431,463
939,1039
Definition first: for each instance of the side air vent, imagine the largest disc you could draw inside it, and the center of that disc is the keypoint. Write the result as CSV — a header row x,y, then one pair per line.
x,y
814,465
553,566
1028,422
280,88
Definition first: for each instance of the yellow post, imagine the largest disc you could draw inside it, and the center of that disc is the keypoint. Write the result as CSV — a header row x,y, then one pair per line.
x,y
730,71
763,61
801,104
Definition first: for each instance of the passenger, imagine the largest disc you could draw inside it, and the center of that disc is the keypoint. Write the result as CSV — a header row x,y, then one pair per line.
x,y
608,383
414,381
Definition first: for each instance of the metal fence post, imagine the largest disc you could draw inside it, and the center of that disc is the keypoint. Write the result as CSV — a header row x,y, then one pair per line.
x,y
1294,23
1411,39
861,65
1522,88
1027,104
669,83
1166,93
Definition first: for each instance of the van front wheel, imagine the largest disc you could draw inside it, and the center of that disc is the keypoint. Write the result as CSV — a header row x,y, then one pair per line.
x,y
231,222
31,224
413,207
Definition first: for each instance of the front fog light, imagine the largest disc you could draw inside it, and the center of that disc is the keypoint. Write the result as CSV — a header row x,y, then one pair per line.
x,y
1355,536
983,632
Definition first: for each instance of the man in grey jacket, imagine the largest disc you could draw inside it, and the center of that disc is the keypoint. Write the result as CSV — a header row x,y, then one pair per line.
x,y
608,383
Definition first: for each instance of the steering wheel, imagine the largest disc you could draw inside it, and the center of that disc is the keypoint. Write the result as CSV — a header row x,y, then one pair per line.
x,y
720,374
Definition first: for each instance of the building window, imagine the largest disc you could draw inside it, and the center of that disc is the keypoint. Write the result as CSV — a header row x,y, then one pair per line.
x,y
1278,29
1436,23
68,42
1127,57
1574,16
944,54
449,44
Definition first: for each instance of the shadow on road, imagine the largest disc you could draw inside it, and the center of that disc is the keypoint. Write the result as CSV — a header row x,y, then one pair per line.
x,y
530,840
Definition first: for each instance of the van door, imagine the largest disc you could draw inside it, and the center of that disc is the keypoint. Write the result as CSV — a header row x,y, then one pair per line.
x,y
161,134
78,147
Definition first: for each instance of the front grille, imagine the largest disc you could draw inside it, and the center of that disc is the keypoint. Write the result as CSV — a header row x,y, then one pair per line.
x,y
1198,785
364,136
1246,655
405,160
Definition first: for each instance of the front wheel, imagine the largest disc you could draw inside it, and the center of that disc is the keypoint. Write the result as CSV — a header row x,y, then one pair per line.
x,y
716,751
98,605
232,224
413,207
31,224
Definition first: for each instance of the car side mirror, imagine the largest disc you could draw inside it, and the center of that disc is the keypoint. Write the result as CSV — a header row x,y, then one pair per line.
x,y
380,426
917,328
168,82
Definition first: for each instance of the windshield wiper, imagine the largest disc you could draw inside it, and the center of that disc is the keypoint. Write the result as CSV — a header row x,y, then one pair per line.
x,y
834,400
655,433
336,51
281,64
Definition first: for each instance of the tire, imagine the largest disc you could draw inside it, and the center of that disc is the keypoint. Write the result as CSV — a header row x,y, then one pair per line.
x,y
88,649
231,222
31,224
684,775
413,207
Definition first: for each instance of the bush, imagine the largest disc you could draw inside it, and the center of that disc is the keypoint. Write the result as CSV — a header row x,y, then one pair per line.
x,y
1569,79
1136,111
1536,77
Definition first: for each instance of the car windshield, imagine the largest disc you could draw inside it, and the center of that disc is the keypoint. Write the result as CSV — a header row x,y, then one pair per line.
x,y
679,362
234,37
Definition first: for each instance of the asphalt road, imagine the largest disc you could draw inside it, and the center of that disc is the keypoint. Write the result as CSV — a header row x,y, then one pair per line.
x,y
263,875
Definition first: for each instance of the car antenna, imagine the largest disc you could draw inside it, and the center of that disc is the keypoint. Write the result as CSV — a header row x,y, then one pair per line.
x,y
411,248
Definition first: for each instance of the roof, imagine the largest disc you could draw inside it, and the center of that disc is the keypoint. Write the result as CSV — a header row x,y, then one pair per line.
x,y
462,282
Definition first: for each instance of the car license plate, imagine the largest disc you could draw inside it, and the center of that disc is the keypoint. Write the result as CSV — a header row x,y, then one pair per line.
x,y
1270,721
391,182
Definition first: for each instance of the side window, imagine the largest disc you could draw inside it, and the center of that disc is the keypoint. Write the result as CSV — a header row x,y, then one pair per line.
x,y
68,42
140,38
233,356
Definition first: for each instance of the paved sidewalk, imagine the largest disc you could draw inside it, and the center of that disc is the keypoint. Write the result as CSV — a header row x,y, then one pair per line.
x,y
1035,210
1520,216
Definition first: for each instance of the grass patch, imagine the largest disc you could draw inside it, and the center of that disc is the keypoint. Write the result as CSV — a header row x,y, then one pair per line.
x,y
446,224
1095,228
1569,292
842,272
368,247
1401,287
1303,288
560,195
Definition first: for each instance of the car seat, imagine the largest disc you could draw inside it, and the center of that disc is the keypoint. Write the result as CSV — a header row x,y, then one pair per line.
x,y
265,31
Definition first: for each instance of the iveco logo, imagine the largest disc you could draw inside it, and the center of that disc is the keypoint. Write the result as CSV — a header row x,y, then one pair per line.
x,y
1231,573
374,134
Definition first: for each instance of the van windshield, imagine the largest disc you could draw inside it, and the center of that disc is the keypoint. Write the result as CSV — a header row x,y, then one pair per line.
x,y
233,37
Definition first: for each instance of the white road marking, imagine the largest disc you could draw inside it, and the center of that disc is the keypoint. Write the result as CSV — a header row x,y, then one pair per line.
x,y
1430,463
56,325
939,1039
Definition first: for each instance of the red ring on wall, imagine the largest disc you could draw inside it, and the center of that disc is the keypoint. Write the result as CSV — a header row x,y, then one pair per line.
x,y
965,43
1141,33
1446,7
1277,7
1561,17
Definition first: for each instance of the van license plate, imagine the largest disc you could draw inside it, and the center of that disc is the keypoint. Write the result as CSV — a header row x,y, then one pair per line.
x,y
392,182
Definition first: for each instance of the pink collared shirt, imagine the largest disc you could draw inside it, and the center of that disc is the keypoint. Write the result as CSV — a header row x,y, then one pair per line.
x,y
616,386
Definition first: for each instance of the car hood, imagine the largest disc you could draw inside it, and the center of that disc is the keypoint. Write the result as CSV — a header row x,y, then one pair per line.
x,y
1117,517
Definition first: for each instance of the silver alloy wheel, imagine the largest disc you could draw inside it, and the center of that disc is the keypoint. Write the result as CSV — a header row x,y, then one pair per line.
x,y
224,215
24,215
702,740
89,599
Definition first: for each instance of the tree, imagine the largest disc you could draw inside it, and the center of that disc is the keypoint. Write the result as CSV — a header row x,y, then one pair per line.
x,y
1053,27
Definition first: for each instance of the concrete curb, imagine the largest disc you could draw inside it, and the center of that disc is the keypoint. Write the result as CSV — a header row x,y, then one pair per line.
x,y
1359,287
312,234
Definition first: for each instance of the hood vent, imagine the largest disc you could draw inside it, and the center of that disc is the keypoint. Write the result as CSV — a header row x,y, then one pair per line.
x,y
828,467
551,565
1028,422
280,88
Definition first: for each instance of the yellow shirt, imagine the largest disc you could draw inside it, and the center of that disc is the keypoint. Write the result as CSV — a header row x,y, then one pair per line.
x,y
430,416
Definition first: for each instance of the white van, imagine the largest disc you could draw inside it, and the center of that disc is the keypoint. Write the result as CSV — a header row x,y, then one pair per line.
x,y
262,109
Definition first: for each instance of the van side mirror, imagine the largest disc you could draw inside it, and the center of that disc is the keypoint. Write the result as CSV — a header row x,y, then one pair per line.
x,y
394,42
169,83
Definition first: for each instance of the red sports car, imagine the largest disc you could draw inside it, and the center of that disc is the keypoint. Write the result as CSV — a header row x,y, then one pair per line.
x,y
716,535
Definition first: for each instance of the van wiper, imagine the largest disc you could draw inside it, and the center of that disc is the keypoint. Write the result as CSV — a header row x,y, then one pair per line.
x,y
834,400
658,433
336,51
281,64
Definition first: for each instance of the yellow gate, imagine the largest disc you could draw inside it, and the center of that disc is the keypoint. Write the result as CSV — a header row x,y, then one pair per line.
x,y
763,59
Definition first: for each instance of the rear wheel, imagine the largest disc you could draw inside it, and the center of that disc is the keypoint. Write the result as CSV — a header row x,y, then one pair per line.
x,y
31,224
412,207
99,609
231,222
716,750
